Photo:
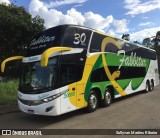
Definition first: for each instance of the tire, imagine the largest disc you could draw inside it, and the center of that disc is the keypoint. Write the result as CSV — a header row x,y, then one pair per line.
x,y
152,83
92,102
147,89
107,98
151,86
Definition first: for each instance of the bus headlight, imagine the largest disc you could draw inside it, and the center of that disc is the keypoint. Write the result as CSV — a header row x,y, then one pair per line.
x,y
48,99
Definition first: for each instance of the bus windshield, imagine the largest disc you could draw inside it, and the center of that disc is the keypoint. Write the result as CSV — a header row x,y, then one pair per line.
x,y
35,78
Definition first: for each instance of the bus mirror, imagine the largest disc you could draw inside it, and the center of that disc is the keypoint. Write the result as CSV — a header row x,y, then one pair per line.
x,y
46,54
9,59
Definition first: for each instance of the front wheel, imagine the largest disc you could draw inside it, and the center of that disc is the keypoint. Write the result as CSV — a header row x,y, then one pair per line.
x,y
92,102
107,98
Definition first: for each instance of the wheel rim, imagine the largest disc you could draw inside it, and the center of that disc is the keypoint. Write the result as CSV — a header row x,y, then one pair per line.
x,y
147,88
93,101
108,97
151,86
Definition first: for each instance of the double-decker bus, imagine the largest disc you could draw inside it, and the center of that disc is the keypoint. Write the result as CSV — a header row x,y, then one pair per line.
x,y
69,67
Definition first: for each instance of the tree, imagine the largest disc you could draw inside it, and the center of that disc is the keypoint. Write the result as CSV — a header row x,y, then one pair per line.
x,y
126,37
147,42
17,27
136,42
156,47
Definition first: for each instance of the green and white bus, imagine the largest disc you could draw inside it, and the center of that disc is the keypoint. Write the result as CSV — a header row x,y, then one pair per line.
x,y
69,67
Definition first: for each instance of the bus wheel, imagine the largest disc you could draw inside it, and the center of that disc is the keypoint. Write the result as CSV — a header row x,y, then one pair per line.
x,y
151,86
92,102
107,98
147,87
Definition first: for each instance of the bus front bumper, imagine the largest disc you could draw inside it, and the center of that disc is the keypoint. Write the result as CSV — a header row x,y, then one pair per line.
x,y
51,108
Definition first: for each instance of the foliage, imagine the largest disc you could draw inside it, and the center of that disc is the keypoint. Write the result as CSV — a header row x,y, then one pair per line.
x,y
136,42
8,91
126,37
17,27
154,43
147,42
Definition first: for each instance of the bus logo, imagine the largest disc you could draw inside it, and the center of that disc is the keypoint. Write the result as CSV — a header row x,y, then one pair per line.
x,y
79,39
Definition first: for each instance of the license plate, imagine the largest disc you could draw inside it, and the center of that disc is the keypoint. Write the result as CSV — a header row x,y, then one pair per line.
x,y
30,111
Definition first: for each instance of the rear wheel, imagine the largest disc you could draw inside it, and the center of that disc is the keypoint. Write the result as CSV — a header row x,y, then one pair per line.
x,y
147,87
92,102
107,98
151,86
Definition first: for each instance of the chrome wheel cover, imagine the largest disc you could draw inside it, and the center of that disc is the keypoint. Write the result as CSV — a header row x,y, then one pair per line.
x,y
93,101
108,97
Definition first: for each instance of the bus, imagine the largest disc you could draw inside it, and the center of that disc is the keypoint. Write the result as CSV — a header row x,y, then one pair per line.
x,y
69,67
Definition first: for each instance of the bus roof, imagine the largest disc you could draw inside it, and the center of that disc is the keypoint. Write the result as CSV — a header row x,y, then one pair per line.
x,y
63,35
101,32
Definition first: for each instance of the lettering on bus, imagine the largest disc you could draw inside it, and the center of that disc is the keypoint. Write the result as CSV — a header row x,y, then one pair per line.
x,y
132,60
79,39
41,40
66,95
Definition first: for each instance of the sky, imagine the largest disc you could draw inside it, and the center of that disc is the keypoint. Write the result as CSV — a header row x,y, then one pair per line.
x,y
139,18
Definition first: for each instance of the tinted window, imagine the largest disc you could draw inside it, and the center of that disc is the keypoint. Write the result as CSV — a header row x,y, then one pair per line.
x,y
46,39
77,37
99,75
140,51
67,74
96,42
128,47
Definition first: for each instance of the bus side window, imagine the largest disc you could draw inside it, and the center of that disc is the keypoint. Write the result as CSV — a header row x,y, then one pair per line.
x,y
96,42
69,37
99,75
67,74
111,48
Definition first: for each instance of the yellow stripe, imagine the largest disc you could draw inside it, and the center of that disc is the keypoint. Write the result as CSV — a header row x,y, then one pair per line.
x,y
116,74
82,83
9,59
46,54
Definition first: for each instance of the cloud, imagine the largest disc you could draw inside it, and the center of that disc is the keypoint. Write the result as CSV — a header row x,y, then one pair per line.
x,y
54,17
121,26
5,1
56,3
137,7
96,21
145,17
140,35
146,24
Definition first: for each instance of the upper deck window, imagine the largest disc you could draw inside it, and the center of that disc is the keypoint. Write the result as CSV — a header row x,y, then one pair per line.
x,y
65,35
77,37
46,39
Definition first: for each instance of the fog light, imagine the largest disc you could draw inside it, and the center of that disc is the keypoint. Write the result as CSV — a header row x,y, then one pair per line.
x,y
49,109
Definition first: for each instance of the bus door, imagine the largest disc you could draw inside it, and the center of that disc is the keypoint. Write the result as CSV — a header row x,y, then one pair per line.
x,y
80,95
68,83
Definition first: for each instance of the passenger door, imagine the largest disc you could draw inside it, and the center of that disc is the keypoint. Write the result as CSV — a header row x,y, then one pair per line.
x,y
67,79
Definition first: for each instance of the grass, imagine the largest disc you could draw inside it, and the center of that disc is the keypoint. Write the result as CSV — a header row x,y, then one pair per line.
x,y
8,91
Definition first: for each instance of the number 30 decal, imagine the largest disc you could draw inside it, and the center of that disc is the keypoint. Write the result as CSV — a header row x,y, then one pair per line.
x,y
79,39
